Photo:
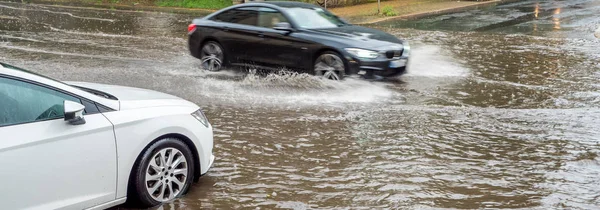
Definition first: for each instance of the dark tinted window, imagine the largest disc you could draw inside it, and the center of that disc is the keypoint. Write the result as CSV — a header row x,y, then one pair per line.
x,y
244,15
90,107
268,17
22,102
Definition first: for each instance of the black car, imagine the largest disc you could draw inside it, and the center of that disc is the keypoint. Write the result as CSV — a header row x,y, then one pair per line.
x,y
295,35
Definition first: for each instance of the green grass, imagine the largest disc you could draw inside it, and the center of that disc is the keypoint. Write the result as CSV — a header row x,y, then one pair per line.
x,y
204,4
389,11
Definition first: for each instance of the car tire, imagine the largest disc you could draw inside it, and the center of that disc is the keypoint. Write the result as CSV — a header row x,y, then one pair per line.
x,y
212,56
330,65
152,178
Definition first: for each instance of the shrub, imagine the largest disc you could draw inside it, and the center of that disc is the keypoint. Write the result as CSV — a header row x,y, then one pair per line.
x,y
206,4
388,11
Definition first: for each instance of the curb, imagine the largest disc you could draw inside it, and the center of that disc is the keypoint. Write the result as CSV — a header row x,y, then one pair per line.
x,y
436,12
136,8
122,7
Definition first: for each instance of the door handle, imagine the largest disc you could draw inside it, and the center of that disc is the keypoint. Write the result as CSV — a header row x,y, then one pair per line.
x,y
261,35
225,28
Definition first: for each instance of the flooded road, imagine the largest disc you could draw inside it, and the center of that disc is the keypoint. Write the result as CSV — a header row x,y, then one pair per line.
x,y
500,108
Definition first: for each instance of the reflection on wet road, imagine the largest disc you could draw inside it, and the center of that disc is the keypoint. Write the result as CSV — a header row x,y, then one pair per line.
x,y
500,108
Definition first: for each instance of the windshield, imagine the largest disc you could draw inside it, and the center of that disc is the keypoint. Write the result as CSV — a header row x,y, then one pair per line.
x,y
312,18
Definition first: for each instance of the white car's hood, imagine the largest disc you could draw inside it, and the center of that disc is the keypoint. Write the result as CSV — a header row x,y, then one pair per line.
x,y
133,98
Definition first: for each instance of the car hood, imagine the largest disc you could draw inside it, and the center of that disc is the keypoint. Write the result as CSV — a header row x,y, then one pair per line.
x,y
132,98
362,37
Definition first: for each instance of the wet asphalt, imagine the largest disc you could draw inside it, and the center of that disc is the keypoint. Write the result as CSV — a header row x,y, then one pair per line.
x,y
500,108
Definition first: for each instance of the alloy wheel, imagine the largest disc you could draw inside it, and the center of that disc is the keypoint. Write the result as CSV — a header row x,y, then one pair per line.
x,y
166,174
329,66
212,56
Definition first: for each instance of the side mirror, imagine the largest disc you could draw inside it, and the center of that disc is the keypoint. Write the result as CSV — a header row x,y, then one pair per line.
x,y
283,26
74,113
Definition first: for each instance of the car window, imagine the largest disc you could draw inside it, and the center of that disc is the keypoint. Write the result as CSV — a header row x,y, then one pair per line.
x,y
243,15
314,18
268,17
22,102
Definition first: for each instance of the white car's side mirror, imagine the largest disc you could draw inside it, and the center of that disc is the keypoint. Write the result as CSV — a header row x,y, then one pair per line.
x,y
74,113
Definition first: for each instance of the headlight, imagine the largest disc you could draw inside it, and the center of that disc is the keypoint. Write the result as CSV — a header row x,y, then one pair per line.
x,y
199,115
360,53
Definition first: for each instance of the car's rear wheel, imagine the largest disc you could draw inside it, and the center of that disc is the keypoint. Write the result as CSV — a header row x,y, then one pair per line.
x,y
330,65
212,56
164,172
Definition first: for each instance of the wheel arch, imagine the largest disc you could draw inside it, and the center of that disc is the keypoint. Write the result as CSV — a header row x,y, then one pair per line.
x,y
208,39
187,141
320,51
332,49
214,39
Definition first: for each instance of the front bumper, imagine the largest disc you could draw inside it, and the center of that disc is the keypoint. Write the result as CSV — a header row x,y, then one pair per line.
x,y
383,67
210,163
391,62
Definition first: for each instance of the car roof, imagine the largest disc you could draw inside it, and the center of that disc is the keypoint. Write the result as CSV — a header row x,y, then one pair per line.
x,y
286,4
7,68
13,71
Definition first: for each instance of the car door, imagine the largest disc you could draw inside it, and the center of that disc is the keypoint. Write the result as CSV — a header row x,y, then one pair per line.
x,y
46,162
240,36
279,48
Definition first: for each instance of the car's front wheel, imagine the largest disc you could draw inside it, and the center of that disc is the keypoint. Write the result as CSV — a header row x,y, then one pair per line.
x,y
164,172
212,56
330,65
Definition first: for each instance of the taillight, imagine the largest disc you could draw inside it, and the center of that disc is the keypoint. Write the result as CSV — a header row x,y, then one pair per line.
x,y
191,28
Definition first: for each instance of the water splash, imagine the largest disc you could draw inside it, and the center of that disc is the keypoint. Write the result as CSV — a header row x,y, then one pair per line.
x,y
430,61
285,87
286,79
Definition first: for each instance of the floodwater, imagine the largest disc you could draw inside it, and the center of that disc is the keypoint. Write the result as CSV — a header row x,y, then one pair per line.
x,y
500,108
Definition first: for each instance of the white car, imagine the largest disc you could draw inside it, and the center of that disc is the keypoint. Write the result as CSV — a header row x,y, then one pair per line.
x,y
83,145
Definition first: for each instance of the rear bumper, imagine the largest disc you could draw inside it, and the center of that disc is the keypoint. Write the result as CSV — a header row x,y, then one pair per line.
x,y
194,42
